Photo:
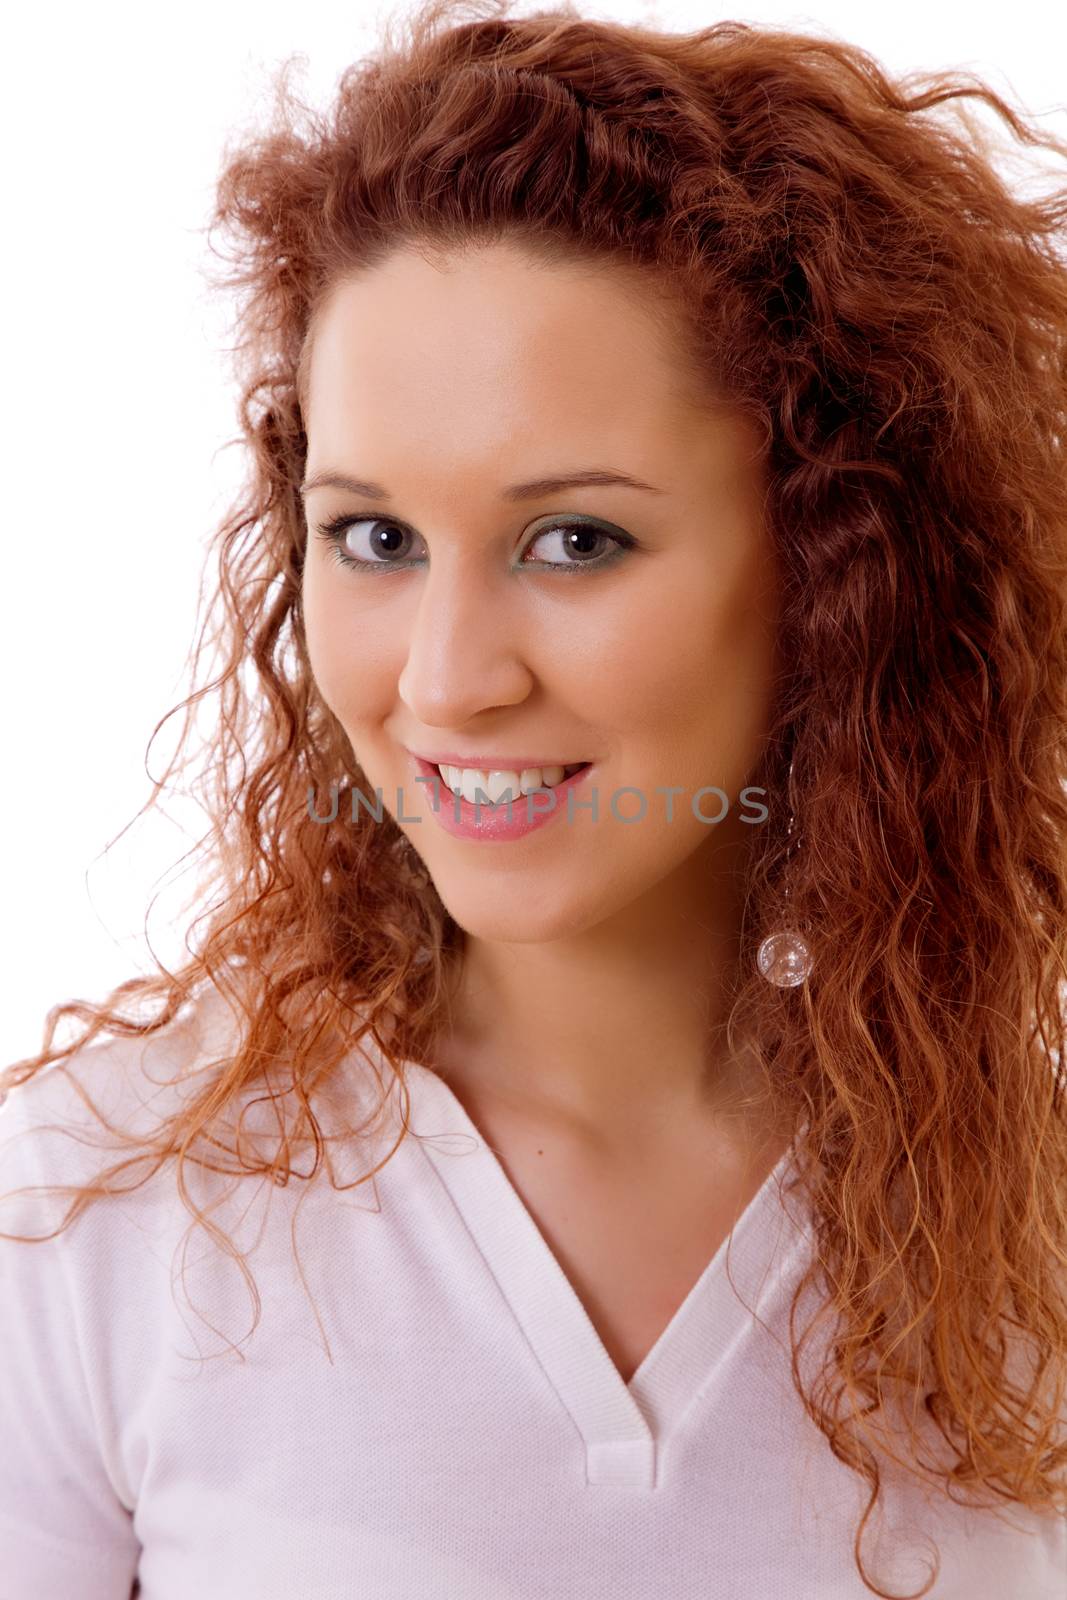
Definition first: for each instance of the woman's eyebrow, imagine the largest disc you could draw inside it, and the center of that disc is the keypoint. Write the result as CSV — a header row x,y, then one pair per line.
x,y
518,491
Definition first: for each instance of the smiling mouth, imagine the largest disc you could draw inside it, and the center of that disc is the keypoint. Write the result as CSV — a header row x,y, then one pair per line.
x,y
568,771
511,796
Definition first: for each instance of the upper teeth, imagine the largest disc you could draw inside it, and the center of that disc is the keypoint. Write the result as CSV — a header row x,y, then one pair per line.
x,y
497,786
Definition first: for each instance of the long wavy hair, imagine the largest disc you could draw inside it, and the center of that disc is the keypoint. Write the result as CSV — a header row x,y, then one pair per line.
x,y
861,281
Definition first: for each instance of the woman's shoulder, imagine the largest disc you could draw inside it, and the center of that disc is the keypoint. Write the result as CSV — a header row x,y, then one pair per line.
x,y
59,1125
117,1096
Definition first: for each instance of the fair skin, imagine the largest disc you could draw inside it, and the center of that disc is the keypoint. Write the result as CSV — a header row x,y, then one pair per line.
x,y
597,952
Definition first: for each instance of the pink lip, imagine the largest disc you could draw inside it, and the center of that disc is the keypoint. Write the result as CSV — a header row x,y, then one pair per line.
x,y
488,823
483,763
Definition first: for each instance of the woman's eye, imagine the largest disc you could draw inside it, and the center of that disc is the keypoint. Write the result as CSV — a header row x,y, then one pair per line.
x,y
383,548
579,542
366,542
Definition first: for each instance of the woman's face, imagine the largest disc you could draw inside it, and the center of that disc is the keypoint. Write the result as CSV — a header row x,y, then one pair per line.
x,y
481,627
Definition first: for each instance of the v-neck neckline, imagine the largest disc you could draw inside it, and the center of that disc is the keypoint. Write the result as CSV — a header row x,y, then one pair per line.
x,y
620,1422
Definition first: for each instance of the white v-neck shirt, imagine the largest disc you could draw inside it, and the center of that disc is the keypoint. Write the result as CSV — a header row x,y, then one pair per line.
x,y
447,1427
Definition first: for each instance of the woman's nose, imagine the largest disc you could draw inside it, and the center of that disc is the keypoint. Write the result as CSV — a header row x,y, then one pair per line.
x,y
465,648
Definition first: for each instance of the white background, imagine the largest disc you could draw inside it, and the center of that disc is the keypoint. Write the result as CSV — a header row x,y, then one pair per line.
x,y
117,409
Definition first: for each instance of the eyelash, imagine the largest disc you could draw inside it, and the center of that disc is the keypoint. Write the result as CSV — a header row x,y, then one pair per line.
x,y
335,529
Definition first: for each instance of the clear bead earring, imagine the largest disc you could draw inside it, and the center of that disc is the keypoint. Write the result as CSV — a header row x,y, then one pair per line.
x,y
784,958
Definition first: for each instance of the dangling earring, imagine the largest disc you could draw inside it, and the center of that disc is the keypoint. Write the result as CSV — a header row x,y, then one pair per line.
x,y
784,958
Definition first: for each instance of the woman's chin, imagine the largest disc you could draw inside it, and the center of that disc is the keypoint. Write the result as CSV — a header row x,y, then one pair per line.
x,y
495,911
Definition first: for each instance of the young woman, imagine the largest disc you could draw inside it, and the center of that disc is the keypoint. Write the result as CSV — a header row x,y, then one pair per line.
x,y
615,1088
